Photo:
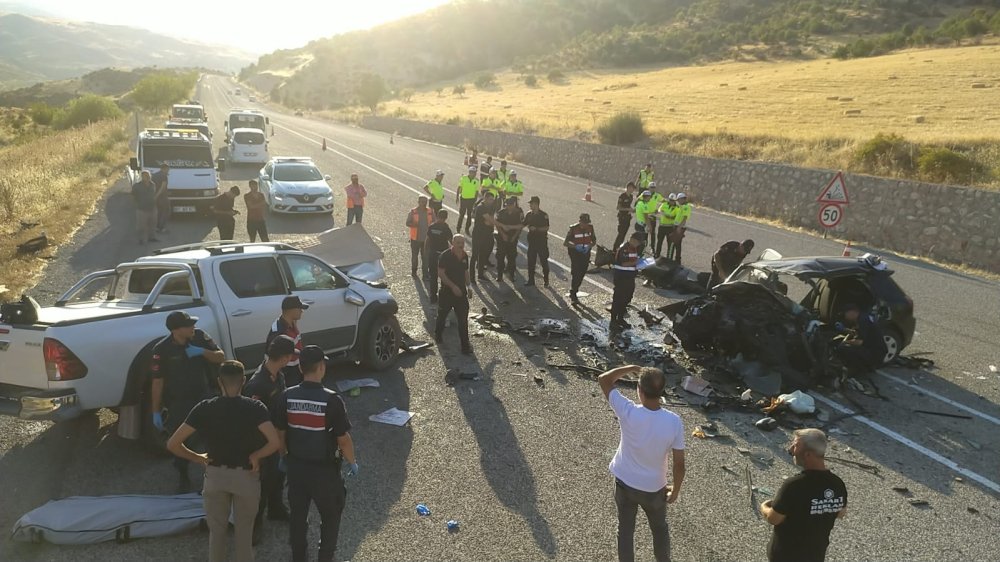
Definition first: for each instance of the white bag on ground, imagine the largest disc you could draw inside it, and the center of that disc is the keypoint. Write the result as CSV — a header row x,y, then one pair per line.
x,y
89,520
799,402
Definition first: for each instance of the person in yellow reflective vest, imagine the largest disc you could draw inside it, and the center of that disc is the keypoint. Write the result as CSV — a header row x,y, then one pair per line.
x,y
645,176
503,174
513,187
667,215
655,200
680,227
644,214
435,191
491,184
466,195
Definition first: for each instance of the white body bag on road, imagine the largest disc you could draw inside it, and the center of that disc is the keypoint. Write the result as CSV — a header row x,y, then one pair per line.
x,y
89,520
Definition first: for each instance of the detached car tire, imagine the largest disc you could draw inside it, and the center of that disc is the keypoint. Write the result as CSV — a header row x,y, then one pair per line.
x,y
381,343
893,345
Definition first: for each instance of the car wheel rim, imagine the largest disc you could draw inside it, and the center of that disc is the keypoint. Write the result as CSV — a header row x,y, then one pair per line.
x,y
891,348
385,343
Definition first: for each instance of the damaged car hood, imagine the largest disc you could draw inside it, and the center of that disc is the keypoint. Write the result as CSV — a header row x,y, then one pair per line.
x,y
352,250
819,267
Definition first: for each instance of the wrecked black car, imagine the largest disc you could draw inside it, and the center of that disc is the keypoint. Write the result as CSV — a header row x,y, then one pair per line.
x,y
780,314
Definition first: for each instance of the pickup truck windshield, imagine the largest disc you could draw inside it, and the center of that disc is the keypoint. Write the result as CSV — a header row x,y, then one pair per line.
x,y
188,113
245,137
246,121
176,156
297,172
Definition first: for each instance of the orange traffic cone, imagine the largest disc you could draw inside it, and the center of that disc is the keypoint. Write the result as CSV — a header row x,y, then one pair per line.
x,y
587,196
324,143
847,250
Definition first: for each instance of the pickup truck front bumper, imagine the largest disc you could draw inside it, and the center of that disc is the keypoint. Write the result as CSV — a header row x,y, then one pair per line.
x,y
36,404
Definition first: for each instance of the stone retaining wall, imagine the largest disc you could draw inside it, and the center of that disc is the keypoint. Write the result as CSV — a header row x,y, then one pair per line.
x,y
947,223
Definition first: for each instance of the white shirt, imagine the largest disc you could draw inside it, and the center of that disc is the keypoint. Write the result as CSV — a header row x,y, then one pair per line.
x,y
647,437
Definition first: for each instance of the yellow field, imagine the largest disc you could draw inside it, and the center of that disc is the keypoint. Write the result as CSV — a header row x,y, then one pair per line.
x,y
787,99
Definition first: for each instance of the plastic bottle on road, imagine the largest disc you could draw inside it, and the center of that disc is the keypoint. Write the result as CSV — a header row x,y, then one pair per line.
x,y
423,509
452,526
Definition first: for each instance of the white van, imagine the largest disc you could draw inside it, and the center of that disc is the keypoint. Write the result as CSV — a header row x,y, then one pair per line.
x,y
193,183
248,146
245,119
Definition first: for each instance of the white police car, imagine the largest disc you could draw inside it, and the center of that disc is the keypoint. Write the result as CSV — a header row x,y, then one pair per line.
x,y
295,185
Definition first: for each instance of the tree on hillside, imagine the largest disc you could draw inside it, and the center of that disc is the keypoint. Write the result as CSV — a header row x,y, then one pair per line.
x,y
370,90
158,91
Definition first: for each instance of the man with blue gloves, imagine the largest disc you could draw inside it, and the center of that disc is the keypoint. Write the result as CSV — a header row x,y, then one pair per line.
x,y
180,373
580,239
314,431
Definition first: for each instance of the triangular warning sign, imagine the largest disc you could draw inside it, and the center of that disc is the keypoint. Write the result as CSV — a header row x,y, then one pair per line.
x,y
835,191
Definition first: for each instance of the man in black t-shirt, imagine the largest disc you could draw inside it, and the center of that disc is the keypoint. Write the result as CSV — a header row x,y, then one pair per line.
x,y
727,258
238,434
266,384
537,222
482,235
509,223
181,369
453,270
864,350
225,214
626,209
438,240
807,505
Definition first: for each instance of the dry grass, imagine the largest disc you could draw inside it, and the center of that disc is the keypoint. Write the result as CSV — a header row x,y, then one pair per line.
x,y
773,111
54,181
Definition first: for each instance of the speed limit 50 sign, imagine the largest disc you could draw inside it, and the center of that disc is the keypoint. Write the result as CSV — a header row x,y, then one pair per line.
x,y
830,215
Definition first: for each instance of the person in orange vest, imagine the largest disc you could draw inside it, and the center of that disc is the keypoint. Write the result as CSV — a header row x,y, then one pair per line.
x,y
356,194
418,219
579,240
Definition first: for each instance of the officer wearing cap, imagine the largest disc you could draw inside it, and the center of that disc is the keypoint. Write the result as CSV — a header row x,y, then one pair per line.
x,y
267,384
626,208
645,176
438,240
466,195
180,377
680,227
513,187
435,191
509,224
625,270
313,427
482,235
667,215
238,434
287,324
642,208
579,240
492,184
503,174
652,213
537,222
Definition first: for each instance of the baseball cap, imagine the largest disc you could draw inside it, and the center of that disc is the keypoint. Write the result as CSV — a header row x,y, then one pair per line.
x,y
534,199
311,355
510,201
512,173
682,195
652,185
472,168
647,193
672,197
585,217
293,301
280,346
439,173
180,319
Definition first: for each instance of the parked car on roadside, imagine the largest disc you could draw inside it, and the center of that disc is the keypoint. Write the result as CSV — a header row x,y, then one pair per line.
x,y
293,184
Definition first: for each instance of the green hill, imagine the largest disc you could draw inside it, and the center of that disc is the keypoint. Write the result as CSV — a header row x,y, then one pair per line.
x,y
455,41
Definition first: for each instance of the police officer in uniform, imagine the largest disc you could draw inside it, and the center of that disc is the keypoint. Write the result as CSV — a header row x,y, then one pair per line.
x,y
680,227
314,430
492,184
537,222
181,373
509,223
513,187
626,208
466,196
435,191
482,236
438,240
580,239
645,176
652,209
455,275
267,384
667,215
625,271
292,309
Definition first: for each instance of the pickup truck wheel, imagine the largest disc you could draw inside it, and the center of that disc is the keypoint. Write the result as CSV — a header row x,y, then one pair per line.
x,y
381,343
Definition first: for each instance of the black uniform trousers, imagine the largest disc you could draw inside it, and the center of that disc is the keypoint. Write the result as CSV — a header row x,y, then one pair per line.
x,y
624,291
272,484
177,412
417,254
465,211
227,227
506,257
538,250
322,484
674,248
624,221
447,301
482,247
435,205
663,232
579,264
432,274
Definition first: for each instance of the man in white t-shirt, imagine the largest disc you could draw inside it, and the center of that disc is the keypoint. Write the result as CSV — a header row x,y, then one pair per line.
x,y
649,434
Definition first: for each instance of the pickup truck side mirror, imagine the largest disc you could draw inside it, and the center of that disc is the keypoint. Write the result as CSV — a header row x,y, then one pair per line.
x,y
265,177
133,163
328,177
221,164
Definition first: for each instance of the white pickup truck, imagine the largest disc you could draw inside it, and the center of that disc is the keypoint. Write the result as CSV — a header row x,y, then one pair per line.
x,y
92,348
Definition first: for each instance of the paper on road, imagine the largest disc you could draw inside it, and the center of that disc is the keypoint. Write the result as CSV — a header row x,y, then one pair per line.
x,y
351,384
392,416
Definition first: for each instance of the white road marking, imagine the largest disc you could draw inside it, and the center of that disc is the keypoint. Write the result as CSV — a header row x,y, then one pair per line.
x,y
945,399
903,440
911,444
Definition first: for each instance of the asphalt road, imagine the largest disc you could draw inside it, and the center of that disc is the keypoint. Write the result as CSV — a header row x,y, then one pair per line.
x,y
522,465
